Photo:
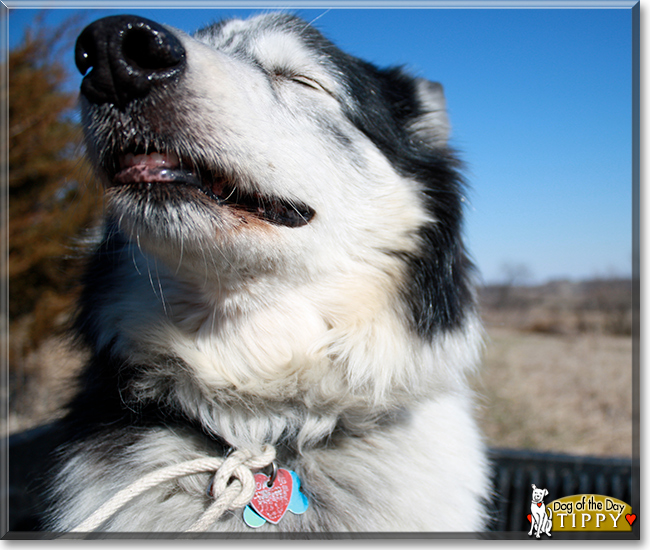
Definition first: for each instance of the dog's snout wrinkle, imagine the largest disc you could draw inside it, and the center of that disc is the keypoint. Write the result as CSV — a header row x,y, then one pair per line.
x,y
127,56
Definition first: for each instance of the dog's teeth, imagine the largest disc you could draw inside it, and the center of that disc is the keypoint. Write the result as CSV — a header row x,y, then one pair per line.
x,y
157,158
169,160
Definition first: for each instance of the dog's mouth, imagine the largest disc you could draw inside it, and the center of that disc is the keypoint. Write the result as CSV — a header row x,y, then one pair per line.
x,y
143,171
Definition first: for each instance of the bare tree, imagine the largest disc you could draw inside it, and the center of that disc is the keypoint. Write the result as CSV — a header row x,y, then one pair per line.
x,y
514,274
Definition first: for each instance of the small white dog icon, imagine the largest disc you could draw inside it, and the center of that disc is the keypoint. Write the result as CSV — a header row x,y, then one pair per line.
x,y
538,515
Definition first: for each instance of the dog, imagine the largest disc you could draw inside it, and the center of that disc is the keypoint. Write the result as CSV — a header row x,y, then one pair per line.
x,y
279,284
538,515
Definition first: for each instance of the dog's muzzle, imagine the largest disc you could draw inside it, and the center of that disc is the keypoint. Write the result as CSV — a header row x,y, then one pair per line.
x,y
128,56
126,59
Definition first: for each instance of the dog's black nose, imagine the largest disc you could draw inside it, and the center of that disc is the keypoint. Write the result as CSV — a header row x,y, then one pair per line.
x,y
128,57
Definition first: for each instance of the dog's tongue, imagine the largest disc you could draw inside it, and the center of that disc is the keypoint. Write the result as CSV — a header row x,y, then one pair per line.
x,y
151,168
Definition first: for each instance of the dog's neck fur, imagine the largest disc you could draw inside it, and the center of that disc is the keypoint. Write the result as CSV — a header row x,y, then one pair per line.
x,y
159,345
152,397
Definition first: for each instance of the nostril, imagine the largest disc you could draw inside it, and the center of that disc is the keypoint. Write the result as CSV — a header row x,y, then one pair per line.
x,y
147,49
84,54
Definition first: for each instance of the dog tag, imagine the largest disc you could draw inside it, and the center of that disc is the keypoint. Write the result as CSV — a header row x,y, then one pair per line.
x,y
298,502
272,502
252,519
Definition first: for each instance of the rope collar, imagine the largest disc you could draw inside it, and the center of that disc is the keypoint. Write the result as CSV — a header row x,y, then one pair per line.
x,y
233,486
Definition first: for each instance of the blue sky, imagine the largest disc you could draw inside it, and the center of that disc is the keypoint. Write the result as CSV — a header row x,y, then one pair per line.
x,y
540,102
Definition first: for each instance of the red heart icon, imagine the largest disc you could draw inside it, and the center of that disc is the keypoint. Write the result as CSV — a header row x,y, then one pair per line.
x,y
530,518
539,504
272,502
630,518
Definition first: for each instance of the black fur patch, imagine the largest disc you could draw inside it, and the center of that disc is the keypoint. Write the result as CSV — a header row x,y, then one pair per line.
x,y
438,290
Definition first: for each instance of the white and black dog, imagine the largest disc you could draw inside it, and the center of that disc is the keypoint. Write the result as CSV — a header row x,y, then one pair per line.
x,y
281,267
540,521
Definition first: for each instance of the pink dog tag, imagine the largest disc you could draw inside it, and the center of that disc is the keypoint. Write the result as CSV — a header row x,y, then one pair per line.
x,y
272,502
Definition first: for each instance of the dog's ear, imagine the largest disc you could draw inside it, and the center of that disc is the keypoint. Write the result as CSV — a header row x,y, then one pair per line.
x,y
534,487
545,492
432,124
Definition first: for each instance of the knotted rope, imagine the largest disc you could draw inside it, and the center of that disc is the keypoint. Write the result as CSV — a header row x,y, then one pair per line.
x,y
233,486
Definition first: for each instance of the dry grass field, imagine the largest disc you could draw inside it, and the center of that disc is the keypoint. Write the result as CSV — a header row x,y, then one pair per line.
x,y
559,393
557,372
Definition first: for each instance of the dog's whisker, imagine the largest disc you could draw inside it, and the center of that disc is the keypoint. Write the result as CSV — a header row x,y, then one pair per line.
x,y
179,264
160,289
229,196
135,262
150,276
311,23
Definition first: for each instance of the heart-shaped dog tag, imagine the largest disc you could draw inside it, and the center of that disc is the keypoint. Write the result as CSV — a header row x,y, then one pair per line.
x,y
272,502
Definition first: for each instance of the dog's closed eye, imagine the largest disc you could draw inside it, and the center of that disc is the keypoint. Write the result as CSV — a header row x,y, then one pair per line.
x,y
296,77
